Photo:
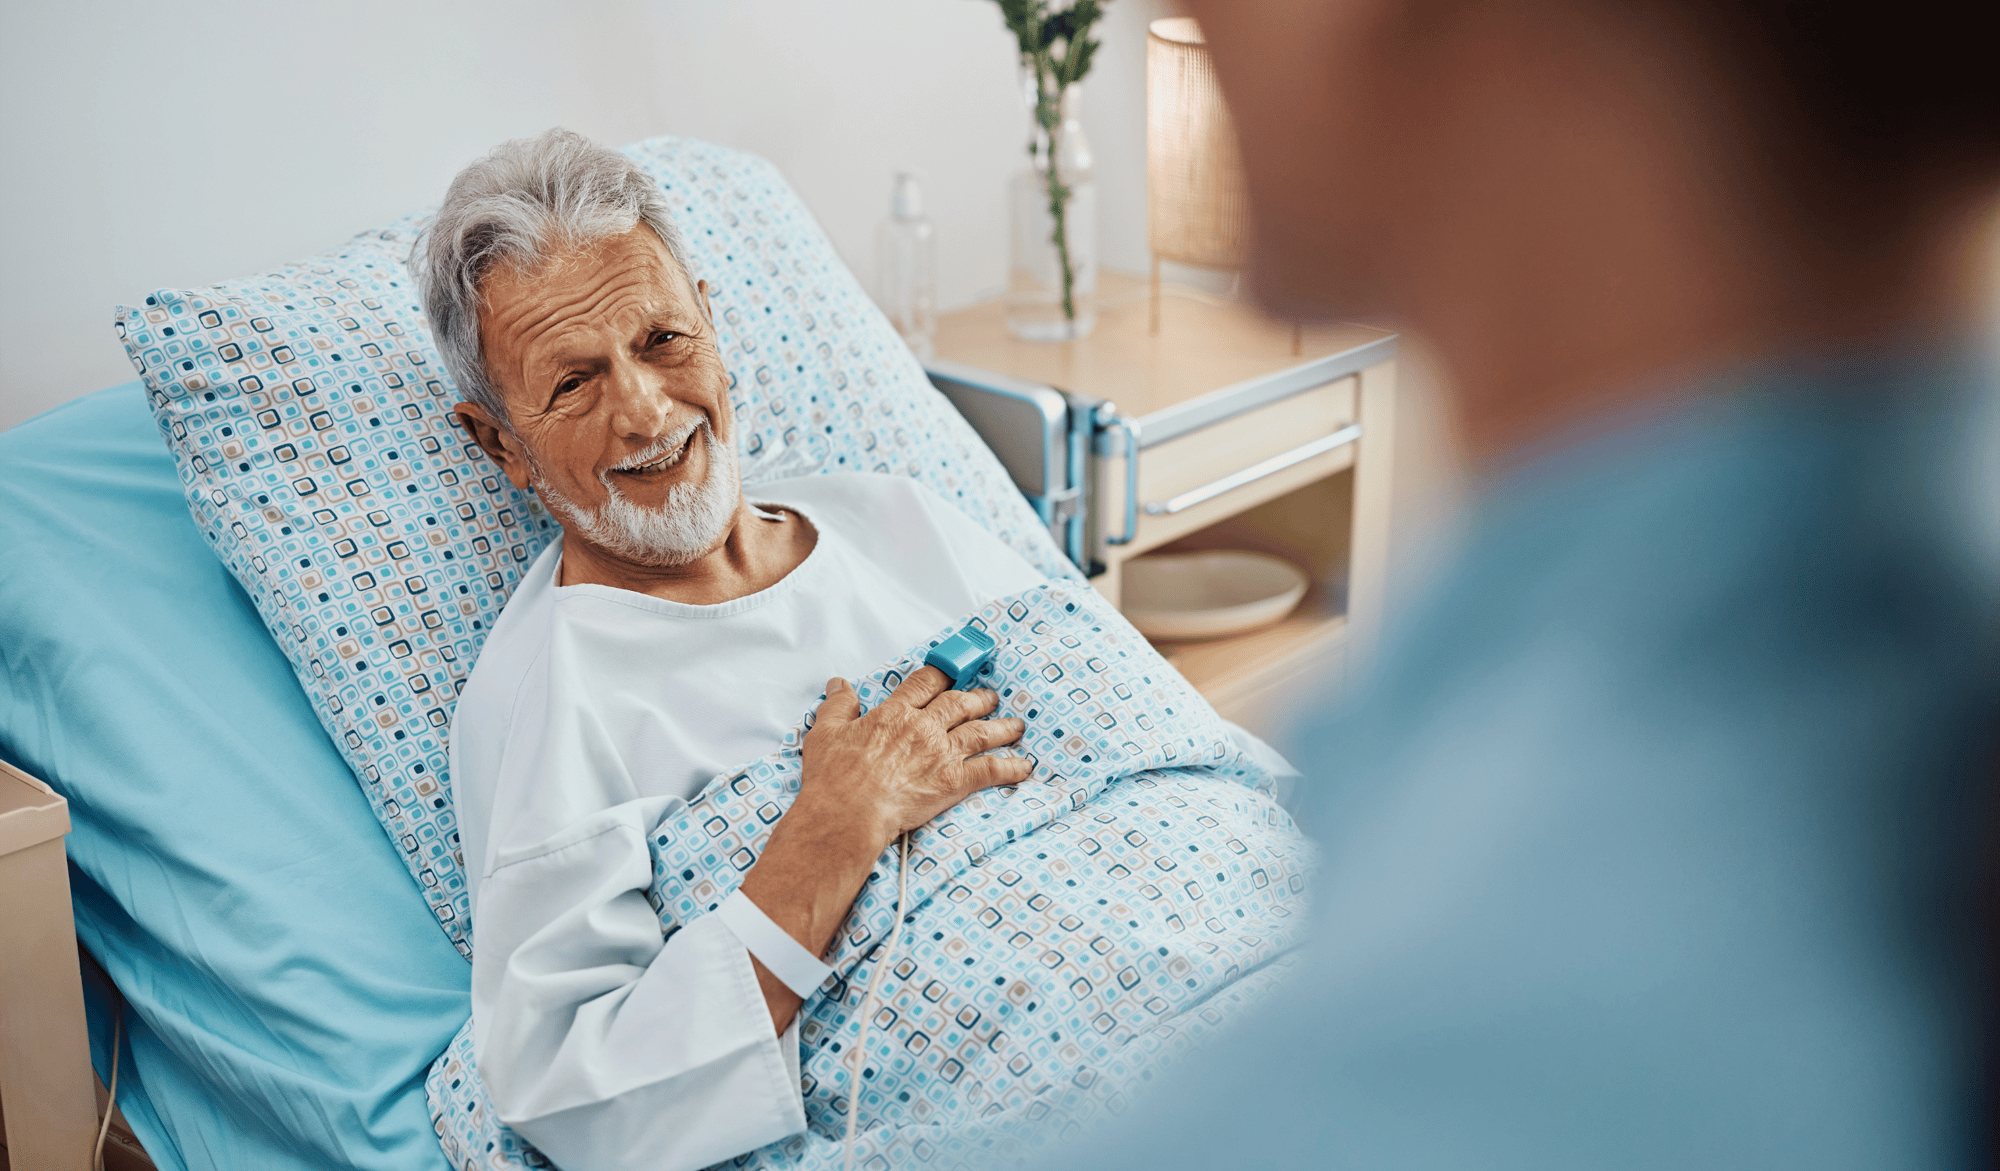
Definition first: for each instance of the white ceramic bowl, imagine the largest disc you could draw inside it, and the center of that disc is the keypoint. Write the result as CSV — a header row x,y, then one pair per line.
x,y
1209,595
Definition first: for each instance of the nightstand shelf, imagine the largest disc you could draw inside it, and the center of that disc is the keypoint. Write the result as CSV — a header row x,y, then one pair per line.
x,y
1239,442
1246,673
1250,677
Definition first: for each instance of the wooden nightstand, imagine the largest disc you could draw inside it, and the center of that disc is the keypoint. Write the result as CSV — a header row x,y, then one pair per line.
x,y
1213,433
45,1078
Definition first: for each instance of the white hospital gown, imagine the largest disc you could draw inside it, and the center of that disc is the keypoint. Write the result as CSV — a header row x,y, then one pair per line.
x,y
593,712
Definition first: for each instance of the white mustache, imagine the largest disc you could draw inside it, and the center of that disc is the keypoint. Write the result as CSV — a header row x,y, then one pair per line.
x,y
660,447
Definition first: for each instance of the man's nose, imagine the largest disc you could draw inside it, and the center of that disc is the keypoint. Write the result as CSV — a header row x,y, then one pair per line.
x,y
640,404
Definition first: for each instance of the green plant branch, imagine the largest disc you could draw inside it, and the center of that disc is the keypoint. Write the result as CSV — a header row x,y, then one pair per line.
x,y
1038,30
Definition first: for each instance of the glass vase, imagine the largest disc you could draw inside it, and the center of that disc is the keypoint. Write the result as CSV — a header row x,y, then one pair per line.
x,y
1052,253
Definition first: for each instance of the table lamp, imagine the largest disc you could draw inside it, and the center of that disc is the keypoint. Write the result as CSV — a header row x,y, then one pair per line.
x,y
1196,210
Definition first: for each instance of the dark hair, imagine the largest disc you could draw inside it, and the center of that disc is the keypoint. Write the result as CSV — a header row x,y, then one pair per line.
x,y
1875,94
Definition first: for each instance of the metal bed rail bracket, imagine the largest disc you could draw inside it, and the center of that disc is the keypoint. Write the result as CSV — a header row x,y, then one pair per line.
x,y
1032,428
1106,421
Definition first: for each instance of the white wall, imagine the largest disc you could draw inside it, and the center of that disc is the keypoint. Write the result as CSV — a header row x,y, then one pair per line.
x,y
147,145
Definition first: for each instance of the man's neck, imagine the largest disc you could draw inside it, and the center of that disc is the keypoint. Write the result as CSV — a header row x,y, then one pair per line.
x,y
1565,354
761,548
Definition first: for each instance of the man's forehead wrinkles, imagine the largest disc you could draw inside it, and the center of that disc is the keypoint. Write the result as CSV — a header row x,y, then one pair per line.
x,y
540,322
608,320
581,312
546,297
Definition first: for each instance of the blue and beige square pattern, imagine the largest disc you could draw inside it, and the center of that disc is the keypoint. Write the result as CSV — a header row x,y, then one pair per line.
x,y
310,417
1062,942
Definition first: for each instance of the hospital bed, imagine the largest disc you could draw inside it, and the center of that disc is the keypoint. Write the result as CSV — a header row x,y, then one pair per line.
x,y
274,980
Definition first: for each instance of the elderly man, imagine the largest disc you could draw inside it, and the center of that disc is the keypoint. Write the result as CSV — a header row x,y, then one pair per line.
x,y
675,630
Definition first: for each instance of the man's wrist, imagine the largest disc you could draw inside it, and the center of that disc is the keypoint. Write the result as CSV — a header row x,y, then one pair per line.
x,y
835,824
811,869
796,967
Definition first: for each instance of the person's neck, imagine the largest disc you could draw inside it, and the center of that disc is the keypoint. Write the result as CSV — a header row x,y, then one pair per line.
x,y
755,555
1575,349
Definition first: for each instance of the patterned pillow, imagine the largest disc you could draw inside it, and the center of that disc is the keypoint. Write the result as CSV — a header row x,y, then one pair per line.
x,y
310,416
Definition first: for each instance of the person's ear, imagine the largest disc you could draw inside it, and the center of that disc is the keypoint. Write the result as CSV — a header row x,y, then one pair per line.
x,y
701,292
497,440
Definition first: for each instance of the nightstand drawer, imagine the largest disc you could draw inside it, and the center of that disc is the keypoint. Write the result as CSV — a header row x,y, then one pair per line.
x,y
1203,474
1195,479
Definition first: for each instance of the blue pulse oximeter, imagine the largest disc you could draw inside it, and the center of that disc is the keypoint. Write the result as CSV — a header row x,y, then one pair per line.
x,y
962,656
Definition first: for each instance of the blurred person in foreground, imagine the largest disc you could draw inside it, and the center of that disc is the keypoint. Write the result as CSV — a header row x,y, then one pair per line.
x,y
1659,838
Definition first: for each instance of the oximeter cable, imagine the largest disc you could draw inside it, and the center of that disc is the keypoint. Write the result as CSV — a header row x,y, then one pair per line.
x,y
962,657
868,1001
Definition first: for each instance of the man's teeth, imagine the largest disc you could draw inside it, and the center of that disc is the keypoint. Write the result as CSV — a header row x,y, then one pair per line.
x,y
666,461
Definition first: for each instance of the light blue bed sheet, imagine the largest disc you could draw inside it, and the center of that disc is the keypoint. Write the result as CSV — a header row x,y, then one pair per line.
x,y
288,986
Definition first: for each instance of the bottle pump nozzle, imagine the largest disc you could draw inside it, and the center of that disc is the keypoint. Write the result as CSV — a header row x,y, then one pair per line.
x,y
907,203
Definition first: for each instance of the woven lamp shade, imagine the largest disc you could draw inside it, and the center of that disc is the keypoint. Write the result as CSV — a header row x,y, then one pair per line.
x,y
1196,210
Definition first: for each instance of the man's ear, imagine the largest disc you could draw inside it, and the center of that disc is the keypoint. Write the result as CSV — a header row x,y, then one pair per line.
x,y
701,292
497,440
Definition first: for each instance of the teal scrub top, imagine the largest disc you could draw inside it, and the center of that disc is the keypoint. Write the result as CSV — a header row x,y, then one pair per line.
x,y
1659,839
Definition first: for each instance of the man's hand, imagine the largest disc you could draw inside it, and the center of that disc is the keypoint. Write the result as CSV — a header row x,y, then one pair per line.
x,y
913,757
867,779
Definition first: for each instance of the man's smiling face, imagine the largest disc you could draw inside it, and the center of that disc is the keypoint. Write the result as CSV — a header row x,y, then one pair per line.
x,y
617,398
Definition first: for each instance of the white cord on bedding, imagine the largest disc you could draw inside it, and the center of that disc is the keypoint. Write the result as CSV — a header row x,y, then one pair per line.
x,y
111,1101
860,1052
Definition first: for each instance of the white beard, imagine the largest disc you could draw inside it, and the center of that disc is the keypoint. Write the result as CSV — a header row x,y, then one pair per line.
x,y
692,520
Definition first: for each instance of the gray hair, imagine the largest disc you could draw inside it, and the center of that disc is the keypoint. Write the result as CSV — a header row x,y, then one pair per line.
x,y
531,200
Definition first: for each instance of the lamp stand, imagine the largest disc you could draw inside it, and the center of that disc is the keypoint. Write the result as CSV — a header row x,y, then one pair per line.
x,y
1153,310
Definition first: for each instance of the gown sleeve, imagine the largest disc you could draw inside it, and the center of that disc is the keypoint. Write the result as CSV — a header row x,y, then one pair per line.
x,y
605,1045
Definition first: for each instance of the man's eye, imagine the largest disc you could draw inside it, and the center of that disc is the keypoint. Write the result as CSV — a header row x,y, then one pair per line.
x,y
568,384
664,336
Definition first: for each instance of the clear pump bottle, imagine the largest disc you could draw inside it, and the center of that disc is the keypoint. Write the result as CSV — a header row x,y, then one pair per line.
x,y
906,266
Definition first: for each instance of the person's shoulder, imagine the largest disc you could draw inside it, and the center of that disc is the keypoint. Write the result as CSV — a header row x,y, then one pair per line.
x,y
873,505
841,489
857,505
899,521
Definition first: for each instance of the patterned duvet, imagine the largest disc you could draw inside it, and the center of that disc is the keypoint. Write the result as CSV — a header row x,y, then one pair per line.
x,y
1062,941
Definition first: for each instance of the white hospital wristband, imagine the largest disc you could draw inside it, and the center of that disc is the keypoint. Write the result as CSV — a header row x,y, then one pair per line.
x,y
774,947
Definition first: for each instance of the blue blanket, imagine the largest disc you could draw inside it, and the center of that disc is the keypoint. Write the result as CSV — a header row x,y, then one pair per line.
x,y
1062,939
